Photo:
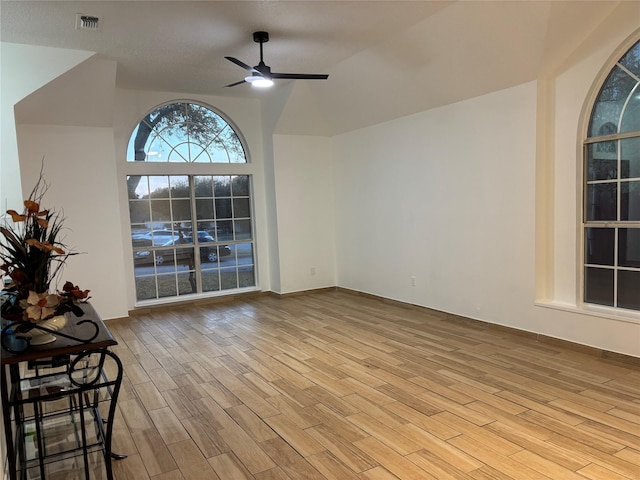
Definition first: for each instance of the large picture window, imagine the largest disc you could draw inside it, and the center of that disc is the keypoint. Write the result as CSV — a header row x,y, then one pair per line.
x,y
611,219
191,232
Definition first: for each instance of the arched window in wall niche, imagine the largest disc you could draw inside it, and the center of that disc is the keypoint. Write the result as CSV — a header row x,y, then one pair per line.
x,y
190,205
611,208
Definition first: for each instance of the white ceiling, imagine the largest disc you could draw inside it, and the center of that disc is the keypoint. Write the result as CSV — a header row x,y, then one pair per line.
x,y
386,59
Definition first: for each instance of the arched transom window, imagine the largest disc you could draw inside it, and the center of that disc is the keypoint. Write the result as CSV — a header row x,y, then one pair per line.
x,y
185,132
611,213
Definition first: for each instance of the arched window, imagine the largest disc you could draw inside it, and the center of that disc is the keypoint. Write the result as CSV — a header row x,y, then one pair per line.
x,y
185,132
611,214
190,215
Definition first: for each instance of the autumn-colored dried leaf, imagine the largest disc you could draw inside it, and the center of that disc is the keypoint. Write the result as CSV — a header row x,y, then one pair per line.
x,y
16,217
75,291
44,246
43,223
18,276
32,207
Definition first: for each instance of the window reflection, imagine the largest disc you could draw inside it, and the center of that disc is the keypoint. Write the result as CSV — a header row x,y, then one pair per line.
x,y
602,161
628,288
631,115
611,100
599,286
630,157
631,59
630,201
601,201
629,248
599,246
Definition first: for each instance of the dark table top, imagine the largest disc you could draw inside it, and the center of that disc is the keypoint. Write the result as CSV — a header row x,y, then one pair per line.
x,y
64,346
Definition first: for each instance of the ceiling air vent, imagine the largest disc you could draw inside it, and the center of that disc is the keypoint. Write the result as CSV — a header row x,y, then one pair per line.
x,y
88,22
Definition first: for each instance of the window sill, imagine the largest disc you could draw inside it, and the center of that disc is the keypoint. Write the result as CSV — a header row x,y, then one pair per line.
x,y
620,315
191,299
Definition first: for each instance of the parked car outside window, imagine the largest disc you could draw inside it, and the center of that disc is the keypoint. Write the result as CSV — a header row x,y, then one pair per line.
x,y
208,251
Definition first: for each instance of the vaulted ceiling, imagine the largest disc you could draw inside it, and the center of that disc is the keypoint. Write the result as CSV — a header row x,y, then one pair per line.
x,y
386,59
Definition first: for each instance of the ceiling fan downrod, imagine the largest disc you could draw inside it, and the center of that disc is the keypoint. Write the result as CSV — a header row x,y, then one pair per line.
x,y
261,37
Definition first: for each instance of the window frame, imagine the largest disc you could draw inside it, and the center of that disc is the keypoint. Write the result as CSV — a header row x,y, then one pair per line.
x,y
191,170
616,224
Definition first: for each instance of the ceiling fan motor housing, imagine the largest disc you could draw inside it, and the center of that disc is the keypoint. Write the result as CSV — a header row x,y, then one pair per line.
x,y
261,37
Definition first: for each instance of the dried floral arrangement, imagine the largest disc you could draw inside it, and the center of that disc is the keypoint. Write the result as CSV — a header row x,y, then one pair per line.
x,y
32,256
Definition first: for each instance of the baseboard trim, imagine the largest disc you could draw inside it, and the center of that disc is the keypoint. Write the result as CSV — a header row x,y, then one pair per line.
x,y
302,292
180,304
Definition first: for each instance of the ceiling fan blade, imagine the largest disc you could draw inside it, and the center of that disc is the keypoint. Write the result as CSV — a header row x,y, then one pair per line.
x,y
236,83
242,64
300,76
262,72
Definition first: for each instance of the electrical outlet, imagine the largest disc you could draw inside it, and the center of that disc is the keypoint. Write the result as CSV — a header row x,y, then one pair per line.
x,y
312,270
413,281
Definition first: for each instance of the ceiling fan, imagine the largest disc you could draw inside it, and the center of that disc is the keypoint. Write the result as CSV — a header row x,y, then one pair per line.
x,y
261,74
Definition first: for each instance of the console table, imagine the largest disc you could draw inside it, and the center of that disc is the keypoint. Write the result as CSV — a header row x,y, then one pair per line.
x,y
59,399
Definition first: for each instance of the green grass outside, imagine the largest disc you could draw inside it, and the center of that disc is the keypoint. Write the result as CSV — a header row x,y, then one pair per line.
x,y
167,287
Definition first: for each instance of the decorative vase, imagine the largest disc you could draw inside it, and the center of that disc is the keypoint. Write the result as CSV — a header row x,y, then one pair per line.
x,y
37,336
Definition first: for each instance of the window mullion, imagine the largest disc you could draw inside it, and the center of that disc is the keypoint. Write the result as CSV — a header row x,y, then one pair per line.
x,y
616,232
615,136
194,225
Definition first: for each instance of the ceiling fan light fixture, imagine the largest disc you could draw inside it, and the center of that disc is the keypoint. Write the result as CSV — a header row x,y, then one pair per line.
x,y
258,81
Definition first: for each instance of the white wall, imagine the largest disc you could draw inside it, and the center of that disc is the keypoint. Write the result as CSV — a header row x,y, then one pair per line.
x,y
306,224
445,196
23,69
271,111
80,170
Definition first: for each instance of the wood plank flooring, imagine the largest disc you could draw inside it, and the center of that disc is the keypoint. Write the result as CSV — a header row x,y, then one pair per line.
x,y
332,385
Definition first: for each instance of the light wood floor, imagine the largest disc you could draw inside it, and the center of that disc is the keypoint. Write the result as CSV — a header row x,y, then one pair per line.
x,y
333,385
